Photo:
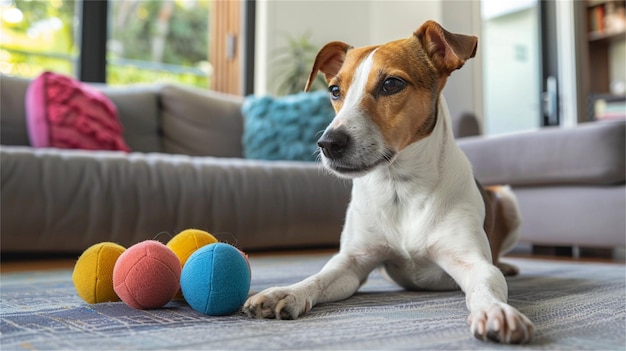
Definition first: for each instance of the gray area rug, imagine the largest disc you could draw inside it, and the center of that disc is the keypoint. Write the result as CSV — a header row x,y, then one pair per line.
x,y
575,306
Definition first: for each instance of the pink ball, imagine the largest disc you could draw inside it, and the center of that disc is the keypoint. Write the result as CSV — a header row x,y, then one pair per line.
x,y
147,275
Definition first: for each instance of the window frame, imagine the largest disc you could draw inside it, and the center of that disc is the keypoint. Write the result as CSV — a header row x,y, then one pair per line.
x,y
92,61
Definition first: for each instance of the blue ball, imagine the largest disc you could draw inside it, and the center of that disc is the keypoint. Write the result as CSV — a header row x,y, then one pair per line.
x,y
216,279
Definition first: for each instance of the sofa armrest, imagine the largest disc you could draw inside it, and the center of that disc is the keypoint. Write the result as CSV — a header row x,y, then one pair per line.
x,y
589,154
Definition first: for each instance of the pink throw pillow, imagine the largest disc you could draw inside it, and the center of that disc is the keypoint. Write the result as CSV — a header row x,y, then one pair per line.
x,y
62,112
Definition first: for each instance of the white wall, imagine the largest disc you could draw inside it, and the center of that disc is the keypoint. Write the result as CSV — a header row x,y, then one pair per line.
x,y
366,22
391,20
359,23
464,89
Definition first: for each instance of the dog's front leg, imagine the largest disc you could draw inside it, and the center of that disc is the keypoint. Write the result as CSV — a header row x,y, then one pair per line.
x,y
491,318
340,278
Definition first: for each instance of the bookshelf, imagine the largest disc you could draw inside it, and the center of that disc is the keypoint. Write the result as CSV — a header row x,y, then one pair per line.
x,y
605,83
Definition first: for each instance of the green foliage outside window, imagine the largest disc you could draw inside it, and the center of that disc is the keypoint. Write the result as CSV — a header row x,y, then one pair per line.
x,y
37,36
150,41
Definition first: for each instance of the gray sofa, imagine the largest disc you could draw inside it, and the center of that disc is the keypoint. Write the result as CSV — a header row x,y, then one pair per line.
x,y
570,182
187,171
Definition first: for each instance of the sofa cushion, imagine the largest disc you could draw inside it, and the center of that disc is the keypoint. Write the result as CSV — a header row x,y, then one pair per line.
x,y
138,110
285,128
13,111
201,123
89,197
61,112
590,154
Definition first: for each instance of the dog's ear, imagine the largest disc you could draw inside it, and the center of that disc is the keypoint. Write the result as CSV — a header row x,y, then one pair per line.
x,y
328,61
448,51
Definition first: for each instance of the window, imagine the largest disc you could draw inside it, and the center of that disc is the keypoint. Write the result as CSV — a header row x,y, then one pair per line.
x,y
127,41
158,41
36,36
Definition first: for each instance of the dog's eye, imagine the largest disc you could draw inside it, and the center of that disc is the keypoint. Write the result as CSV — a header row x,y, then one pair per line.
x,y
392,85
335,92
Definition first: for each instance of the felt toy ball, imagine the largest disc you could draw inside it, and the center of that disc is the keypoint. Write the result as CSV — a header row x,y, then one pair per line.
x,y
147,275
188,241
93,272
216,279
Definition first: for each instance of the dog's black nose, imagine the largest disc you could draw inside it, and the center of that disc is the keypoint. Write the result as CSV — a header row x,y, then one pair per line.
x,y
334,143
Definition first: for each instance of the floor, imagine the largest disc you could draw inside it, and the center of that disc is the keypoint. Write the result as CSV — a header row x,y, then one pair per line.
x,y
14,264
31,262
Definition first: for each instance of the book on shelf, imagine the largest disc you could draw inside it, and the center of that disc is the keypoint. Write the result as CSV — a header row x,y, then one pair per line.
x,y
607,18
610,108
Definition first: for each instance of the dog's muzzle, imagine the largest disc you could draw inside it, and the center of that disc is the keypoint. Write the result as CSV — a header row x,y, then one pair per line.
x,y
334,143
349,156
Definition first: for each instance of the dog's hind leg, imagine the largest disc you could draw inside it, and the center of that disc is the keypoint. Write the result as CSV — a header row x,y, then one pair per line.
x,y
502,224
507,224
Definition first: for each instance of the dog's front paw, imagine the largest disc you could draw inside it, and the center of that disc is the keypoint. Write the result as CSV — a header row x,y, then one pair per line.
x,y
501,323
279,303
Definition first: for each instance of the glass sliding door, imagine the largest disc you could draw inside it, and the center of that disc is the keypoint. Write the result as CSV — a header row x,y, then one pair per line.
x,y
512,66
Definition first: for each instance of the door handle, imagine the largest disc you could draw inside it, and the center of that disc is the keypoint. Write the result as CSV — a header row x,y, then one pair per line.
x,y
550,102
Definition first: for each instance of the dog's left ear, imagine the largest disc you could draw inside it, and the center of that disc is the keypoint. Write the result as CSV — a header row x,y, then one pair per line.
x,y
329,61
448,51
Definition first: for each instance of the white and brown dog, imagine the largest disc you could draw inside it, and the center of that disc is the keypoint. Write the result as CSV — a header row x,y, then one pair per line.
x,y
416,209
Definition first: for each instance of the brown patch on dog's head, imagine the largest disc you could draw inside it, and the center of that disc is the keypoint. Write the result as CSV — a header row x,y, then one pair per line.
x,y
403,95
403,82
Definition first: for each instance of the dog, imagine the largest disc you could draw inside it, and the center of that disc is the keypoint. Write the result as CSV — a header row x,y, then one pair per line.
x,y
416,209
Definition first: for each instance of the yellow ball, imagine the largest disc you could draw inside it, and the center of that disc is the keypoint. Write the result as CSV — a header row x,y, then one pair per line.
x,y
93,272
188,241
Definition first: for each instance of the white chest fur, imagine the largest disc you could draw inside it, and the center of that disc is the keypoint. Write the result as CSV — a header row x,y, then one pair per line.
x,y
403,211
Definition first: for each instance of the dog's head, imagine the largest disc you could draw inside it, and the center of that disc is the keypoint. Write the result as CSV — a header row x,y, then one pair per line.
x,y
385,96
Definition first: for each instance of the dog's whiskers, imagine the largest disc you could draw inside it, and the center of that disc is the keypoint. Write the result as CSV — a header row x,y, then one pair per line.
x,y
388,156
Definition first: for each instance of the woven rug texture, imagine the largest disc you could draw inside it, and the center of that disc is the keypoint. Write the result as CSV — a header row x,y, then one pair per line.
x,y
575,306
